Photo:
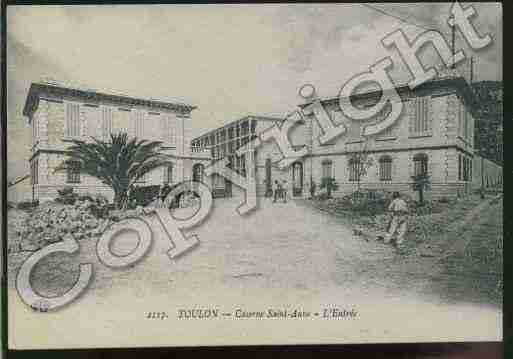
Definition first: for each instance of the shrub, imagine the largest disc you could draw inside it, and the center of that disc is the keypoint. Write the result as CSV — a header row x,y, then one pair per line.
x,y
323,196
143,196
330,184
66,196
28,205
86,196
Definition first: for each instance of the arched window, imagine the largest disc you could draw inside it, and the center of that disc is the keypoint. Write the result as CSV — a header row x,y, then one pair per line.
x,y
385,168
420,162
354,169
327,169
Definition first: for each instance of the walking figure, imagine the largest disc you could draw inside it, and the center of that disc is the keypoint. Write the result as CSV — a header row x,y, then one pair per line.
x,y
399,211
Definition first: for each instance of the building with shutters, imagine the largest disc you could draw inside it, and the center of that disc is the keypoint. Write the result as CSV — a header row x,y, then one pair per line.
x,y
434,135
58,114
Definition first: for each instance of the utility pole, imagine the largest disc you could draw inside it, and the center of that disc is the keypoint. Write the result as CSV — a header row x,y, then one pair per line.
x,y
453,35
471,70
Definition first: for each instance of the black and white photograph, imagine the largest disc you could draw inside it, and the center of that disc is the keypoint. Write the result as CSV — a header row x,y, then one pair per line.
x,y
254,174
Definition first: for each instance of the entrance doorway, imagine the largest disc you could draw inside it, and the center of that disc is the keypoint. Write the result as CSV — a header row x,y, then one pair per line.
x,y
297,179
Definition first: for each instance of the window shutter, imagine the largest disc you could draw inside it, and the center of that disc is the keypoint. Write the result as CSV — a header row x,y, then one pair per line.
x,y
394,168
411,114
429,117
411,166
164,122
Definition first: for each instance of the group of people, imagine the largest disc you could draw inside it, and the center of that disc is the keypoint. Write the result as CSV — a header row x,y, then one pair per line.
x,y
279,191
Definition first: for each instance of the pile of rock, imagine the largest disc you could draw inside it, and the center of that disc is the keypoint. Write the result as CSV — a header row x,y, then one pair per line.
x,y
51,222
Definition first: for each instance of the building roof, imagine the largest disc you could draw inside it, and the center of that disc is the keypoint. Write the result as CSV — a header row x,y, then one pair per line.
x,y
404,91
248,117
45,88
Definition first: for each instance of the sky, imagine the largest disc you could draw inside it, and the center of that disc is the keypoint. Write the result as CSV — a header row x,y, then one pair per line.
x,y
228,60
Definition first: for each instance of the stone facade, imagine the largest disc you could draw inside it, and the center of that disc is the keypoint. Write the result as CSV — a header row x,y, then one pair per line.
x,y
447,142
48,108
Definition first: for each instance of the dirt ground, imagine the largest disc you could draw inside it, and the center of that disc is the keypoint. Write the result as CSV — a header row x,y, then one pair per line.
x,y
293,246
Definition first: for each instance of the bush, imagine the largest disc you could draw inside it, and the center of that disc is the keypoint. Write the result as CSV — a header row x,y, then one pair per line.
x,y
28,205
143,196
323,196
86,197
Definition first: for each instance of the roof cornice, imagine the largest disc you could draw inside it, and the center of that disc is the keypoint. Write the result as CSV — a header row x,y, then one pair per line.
x,y
91,96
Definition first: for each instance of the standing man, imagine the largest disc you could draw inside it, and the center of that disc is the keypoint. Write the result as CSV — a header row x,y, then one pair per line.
x,y
399,210
275,191
284,191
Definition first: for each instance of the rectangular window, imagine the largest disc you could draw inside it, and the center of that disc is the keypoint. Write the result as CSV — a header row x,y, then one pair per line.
x,y
420,120
72,119
420,165
73,173
327,169
168,131
168,174
354,170
464,123
385,169
107,115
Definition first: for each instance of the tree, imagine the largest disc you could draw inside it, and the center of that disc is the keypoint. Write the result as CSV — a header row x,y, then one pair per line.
x,y
360,162
330,184
119,163
421,182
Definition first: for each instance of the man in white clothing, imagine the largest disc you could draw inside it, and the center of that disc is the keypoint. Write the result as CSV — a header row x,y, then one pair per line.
x,y
399,224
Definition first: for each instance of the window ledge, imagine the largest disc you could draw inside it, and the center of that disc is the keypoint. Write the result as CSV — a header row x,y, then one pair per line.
x,y
354,141
326,144
391,138
421,136
70,139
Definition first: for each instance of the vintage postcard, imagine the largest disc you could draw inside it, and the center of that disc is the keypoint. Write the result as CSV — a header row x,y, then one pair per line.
x,y
254,174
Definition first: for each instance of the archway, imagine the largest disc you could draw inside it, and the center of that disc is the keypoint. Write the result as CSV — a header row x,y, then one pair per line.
x,y
198,171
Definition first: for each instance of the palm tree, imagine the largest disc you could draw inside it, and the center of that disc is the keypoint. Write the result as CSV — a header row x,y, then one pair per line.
x,y
119,163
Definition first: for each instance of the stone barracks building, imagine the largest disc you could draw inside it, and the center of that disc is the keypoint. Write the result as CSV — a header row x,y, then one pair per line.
x,y
58,114
433,135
